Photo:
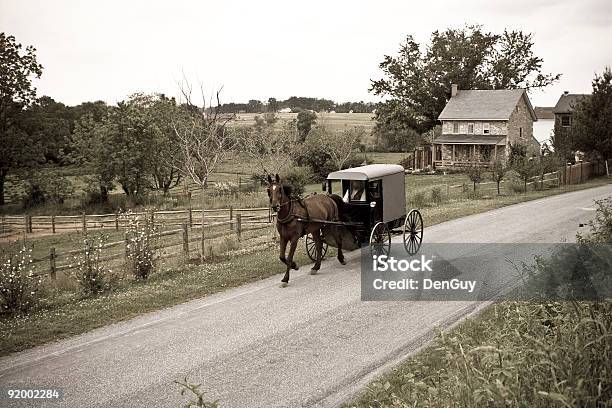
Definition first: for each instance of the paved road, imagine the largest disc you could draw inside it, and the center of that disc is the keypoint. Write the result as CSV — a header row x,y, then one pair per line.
x,y
311,344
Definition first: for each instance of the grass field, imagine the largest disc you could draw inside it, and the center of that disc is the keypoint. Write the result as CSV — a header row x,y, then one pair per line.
x,y
334,121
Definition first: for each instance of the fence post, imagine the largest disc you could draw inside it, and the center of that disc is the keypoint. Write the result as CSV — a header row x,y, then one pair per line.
x,y
127,248
239,226
116,221
581,164
53,224
52,262
185,241
3,220
84,221
190,217
231,217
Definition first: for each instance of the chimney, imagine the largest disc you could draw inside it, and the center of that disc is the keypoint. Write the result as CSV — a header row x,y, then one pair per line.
x,y
454,89
565,92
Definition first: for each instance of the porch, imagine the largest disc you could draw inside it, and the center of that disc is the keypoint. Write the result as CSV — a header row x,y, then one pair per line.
x,y
468,150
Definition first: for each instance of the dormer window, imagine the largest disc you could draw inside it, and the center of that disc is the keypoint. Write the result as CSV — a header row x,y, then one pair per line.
x,y
485,129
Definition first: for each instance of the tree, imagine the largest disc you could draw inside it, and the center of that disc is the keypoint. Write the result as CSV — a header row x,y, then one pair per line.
x,y
592,119
272,149
417,81
474,172
526,167
204,139
17,68
305,120
341,147
50,122
498,172
254,106
272,105
91,144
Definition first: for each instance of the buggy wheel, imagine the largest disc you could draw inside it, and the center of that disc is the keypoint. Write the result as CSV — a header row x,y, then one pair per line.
x,y
311,248
413,232
380,239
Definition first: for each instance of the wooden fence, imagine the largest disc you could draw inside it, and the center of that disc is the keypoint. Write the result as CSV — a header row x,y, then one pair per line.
x,y
57,223
57,261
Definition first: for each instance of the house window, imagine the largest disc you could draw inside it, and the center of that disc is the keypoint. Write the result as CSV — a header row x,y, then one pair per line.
x,y
521,132
470,128
566,120
485,129
455,127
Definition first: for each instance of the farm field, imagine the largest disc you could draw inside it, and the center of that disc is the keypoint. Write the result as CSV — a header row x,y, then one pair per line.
x,y
335,121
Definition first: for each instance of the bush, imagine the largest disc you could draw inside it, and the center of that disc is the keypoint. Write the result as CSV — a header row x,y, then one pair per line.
x,y
91,274
297,178
140,235
18,284
45,188
436,195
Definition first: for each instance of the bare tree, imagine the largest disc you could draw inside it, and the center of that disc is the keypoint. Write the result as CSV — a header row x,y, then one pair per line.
x,y
271,148
204,139
340,147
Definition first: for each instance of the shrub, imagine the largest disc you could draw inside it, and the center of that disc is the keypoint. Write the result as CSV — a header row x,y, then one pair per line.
x,y
91,273
225,188
436,195
46,188
18,284
140,251
195,392
474,172
298,178
601,226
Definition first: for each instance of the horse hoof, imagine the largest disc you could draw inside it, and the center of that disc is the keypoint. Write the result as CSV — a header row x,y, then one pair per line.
x,y
284,284
314,271
295,267
343,262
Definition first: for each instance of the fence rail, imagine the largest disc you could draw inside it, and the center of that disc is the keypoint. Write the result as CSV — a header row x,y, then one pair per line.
x,y
61,261
192,217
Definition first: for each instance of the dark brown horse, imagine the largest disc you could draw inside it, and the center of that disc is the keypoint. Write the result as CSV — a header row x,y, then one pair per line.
x,y
298,217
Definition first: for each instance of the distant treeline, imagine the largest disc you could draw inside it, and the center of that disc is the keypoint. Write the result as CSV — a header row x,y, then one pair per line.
x,y
298,104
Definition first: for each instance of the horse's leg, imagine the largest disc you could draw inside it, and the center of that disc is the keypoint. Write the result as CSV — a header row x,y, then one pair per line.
x,y
319,250
283,248
285,280
339,243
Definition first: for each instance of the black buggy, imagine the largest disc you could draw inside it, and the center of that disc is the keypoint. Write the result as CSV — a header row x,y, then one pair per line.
x,y
374,207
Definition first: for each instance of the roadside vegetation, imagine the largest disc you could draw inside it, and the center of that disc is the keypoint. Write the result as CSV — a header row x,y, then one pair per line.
x,y
552,353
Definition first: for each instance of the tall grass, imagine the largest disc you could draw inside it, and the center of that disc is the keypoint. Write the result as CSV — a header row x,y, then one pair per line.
x,y
516,354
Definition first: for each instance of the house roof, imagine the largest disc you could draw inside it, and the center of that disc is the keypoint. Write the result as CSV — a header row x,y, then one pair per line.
x,y
566,103
544,112
470,139
481,104
368,172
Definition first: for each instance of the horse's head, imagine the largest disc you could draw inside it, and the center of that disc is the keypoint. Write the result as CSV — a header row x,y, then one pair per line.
x,y
275,192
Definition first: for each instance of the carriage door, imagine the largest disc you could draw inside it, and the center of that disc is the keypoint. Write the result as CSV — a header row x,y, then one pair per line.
x,y
375,195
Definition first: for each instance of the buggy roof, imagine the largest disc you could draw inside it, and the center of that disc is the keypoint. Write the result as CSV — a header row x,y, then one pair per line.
x,y
369,172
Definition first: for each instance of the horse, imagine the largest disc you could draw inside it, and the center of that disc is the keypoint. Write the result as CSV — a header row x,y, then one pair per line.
x,y
296,217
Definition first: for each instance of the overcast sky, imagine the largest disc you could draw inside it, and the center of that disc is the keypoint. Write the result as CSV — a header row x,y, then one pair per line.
x,y
260,49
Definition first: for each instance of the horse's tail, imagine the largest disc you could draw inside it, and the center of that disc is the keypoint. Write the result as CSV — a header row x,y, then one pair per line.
x,y
339,205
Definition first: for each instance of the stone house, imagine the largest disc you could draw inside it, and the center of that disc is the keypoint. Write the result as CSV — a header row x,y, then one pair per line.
x,y
563,112
478,127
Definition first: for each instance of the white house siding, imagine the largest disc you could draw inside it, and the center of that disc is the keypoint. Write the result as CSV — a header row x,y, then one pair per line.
x,y
543,130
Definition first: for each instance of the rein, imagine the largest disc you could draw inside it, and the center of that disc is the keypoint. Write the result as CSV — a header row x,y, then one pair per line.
x,y
290,216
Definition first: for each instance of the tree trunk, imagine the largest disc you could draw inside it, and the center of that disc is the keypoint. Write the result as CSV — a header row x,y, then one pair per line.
x,y
498,193
103,194
202,225
2,178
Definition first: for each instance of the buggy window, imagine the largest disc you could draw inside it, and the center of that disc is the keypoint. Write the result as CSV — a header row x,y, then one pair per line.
x,y
358,190
374,188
